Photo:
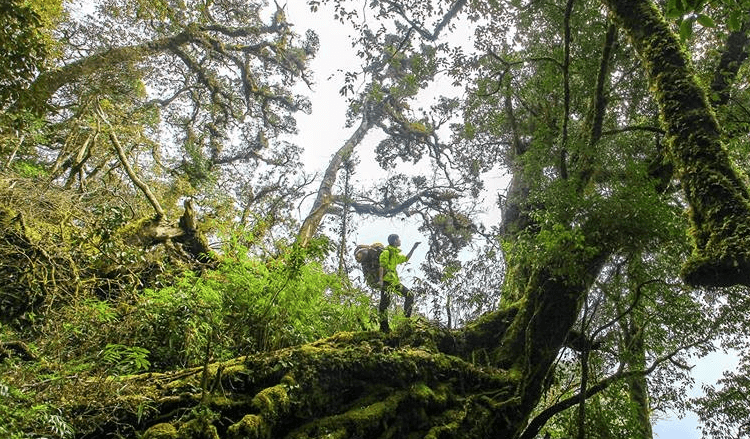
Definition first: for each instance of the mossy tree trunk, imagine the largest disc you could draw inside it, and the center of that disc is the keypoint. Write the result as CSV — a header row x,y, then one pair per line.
x,y
718,199
325,196
633,340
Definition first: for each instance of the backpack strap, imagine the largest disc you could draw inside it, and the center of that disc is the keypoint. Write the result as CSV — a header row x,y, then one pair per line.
x,y
390,257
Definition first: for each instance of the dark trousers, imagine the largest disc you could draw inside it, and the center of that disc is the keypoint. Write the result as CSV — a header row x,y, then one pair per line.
x,y
385,301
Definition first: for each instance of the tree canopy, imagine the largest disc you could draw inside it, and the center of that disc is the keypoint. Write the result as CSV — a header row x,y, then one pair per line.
x,y
161,284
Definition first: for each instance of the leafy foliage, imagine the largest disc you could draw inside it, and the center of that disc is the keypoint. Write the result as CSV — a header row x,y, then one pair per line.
x,y
724,411
124,359
22,417
244,306
25,44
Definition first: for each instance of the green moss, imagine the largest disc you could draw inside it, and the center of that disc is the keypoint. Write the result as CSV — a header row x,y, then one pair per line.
x,y
418,128
350,385
722,266
272,403
250,427
422,391
360,421
288,380
197,429
133,231
6,217
161,431
719,201
448,429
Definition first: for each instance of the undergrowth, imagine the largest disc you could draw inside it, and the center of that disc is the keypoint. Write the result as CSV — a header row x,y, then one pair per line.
x,y
90,306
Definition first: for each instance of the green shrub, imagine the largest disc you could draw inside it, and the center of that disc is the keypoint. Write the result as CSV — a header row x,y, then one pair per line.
x,y
21,417
245,305
125,359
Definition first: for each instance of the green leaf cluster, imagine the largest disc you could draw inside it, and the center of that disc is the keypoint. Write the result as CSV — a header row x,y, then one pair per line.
x,y
24,47
21,417
125,359
688,12
246,305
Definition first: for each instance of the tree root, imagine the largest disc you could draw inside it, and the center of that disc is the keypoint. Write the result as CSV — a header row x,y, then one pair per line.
x,y
350,385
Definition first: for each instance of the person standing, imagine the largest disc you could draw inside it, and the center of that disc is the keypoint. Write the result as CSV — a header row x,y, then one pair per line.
x,y
389,282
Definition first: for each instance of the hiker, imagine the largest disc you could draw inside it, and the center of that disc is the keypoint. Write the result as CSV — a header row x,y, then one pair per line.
x,y
389,282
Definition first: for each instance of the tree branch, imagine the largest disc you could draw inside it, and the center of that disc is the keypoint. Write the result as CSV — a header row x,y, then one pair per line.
x,y
539,421
600,97
734,53
129,170
324,197
566,90
424,33
47,83
636,299
395,209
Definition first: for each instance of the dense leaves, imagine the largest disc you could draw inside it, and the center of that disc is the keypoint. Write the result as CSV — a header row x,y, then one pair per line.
x,y
25,44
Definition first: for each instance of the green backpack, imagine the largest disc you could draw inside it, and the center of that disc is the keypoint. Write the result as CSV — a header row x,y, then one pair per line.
x,y
369,258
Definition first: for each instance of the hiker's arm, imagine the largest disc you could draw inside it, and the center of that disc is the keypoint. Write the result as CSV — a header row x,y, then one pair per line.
x,y
408,256
380,275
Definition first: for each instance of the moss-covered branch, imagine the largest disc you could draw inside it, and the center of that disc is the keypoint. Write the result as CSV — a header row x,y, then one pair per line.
x,y
351,385
734,53
134,177
325,197
718,199
48,82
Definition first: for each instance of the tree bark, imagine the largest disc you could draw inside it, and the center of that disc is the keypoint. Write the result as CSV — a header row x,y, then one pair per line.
x,y
324,198
134,177
718,199
633,338
735,52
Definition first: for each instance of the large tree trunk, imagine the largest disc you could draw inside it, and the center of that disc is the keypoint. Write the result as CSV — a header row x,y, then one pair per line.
x,y
718,199
633,339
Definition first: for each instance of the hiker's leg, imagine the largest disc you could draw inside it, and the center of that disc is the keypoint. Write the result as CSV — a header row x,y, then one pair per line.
x,y
385,301
408,300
